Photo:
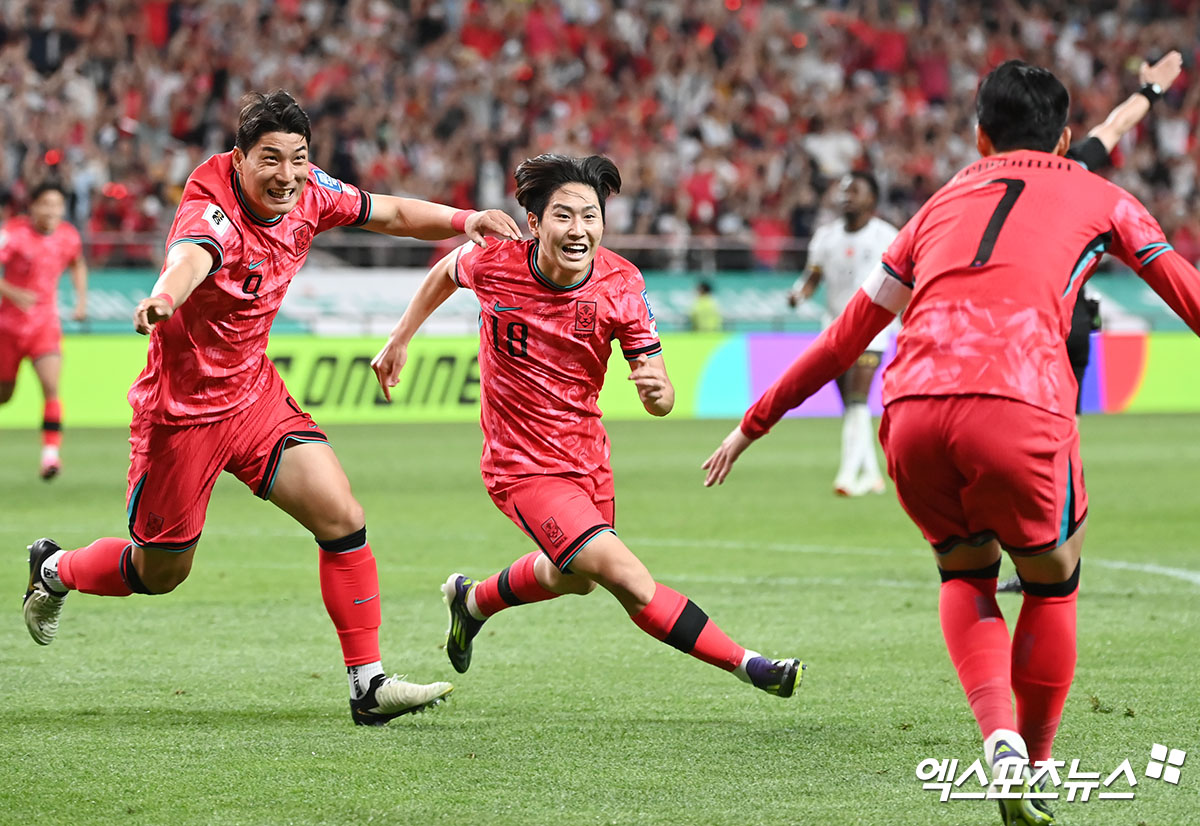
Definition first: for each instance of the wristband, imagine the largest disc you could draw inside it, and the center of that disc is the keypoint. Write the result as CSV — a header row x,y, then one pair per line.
x,y
1151,91
458,222
167,298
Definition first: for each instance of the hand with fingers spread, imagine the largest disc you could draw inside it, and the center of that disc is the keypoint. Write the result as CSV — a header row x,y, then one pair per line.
x,y
494,222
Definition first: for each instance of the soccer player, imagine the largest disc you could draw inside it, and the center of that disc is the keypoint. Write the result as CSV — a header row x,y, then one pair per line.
x,y
35,250
210,400
842,254
1093,153
979,420
550,309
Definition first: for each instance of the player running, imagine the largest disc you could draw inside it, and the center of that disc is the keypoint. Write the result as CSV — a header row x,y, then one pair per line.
x,y
210,400
842,255
35,250
550,309
979,427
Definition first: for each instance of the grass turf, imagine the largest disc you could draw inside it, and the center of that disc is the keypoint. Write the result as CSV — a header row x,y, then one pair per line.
x,y
225,702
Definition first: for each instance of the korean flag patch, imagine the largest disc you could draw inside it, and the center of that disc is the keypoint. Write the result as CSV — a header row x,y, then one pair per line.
x,y
326,181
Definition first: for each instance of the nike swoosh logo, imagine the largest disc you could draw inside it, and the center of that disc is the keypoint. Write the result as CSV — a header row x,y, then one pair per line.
x,y
500,309
256,265
368,599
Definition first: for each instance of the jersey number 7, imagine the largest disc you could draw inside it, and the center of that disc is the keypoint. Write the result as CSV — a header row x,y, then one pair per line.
x,y
1012,191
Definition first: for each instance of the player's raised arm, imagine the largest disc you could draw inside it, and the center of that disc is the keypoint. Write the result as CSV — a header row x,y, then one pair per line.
x,y
653,384
187,265
438,285
414,218
1156,79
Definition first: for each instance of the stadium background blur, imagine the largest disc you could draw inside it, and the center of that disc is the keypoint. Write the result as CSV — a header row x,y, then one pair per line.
x,y
727,118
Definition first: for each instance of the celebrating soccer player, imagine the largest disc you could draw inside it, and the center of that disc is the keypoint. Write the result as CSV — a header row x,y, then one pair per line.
x,y
550,309
842,254
979,421
210,400
35,250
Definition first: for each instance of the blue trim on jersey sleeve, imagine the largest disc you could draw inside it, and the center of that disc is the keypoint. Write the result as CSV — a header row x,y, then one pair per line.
x,y
1166,248
204,241
649,350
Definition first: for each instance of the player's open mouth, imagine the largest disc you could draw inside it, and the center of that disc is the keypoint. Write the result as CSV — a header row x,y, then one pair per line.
x,y
281,194
575,250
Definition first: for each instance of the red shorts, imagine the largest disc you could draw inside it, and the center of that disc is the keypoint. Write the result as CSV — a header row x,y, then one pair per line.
x,y
560,512
26,342
973,468
172,468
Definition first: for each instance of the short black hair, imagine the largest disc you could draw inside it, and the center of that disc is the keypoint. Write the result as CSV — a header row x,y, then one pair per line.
x,y
1020,106
868,179
276,112
538,178
49,185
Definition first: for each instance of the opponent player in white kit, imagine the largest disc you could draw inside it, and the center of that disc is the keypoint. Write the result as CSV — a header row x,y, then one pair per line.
x,y
842,254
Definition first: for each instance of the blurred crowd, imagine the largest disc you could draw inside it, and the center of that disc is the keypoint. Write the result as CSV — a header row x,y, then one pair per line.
x,y
728,118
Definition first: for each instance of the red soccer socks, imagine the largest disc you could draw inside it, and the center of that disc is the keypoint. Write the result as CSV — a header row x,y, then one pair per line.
x,y
1043,662
515,585
977,641
677,621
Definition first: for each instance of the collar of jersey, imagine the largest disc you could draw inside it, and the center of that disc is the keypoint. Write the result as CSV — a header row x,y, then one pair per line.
x,y
537,273
241,199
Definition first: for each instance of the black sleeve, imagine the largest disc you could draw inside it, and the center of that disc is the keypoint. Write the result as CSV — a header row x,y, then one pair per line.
x,y
1091,153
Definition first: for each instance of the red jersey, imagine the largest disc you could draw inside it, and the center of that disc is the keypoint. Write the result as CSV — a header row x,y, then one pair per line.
x,y
987,273
209,359
995,260
543,352
35,261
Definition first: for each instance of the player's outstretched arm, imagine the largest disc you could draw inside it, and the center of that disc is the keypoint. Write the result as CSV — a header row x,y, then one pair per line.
x,y
1131,110
653,384
187,265
438,285
414,218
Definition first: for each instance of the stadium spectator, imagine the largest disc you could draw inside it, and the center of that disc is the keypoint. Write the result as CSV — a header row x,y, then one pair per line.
x,y
551,308
210,400
704,316
35,250
979,427
842,254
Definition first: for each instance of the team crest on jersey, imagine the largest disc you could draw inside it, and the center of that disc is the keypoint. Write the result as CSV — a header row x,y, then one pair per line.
x,y
303,236
327,181
553,532
217,219
585,317
154,524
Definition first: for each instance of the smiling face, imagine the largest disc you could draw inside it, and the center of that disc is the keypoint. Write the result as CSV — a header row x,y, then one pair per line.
x,y
47,210
273,173
568,233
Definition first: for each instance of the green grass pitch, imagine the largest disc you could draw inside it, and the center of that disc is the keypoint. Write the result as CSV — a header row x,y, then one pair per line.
x,y
225,702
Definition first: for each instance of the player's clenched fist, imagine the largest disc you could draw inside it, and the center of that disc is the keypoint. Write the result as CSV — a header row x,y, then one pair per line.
x,y
151,311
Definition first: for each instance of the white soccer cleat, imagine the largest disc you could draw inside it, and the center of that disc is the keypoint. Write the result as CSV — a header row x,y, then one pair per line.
x,y
390,697
42,605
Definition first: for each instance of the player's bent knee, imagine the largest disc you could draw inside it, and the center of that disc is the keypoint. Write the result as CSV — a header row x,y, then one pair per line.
x,y
1052,589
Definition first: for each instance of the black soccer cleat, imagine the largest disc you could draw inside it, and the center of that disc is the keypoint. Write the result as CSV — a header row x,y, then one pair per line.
x,y
42,604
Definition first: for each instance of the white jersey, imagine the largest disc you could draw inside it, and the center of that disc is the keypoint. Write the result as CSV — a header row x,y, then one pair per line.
x,y
845,259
